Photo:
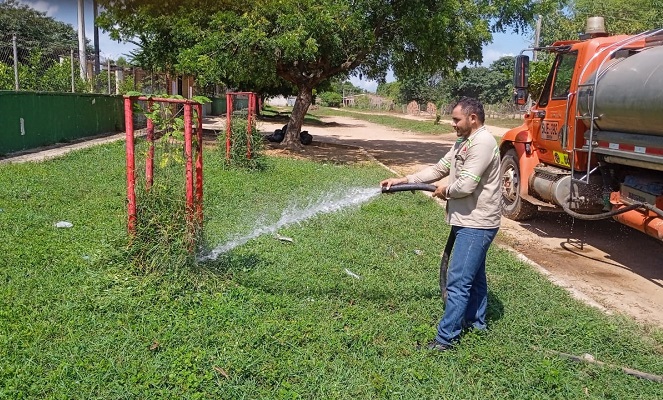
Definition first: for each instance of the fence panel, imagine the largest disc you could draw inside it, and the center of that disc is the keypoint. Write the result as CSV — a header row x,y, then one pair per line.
x,y
31,120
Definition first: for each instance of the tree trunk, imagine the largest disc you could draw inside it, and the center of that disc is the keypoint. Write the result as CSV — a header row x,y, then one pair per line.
x,y
304,98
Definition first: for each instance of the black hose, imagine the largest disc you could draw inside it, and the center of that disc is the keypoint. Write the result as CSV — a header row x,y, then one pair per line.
x,y
402,187
610,214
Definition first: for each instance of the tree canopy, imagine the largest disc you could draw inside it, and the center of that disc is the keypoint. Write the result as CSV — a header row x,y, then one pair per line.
x,y
34,30
255,45
621,17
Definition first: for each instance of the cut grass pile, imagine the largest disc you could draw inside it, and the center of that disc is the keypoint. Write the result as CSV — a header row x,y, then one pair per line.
x,y
273,319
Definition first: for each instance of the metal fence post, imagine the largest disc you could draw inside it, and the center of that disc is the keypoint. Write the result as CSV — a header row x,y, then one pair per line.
x,y
109,81
16,86
73,82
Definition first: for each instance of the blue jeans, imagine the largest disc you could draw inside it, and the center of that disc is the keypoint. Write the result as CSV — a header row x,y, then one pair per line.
x,y
467,290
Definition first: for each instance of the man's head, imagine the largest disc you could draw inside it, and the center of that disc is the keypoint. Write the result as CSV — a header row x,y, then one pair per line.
x,y
467,116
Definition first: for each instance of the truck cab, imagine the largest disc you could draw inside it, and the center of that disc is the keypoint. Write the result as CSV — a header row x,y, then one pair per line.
x,y
592,145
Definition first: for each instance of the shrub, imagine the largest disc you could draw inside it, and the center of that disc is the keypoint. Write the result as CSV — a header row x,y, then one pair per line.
x,y
331,99
239,146
164,239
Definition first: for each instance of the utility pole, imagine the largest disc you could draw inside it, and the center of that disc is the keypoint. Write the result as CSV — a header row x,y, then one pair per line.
x,y
16,86
109,75
537,35
81,40
95,11
73,85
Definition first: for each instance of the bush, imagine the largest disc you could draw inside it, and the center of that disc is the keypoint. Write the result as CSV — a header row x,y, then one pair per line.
x,y
164,240
239,156
331,99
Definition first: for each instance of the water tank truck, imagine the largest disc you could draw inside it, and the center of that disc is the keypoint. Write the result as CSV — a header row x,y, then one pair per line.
x,y
592,145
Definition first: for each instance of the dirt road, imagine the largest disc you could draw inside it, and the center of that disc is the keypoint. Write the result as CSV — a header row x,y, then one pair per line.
x,y
612,265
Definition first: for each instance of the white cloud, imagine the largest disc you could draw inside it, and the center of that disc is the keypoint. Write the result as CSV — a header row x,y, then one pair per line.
x,y
43,6
370,86
490,55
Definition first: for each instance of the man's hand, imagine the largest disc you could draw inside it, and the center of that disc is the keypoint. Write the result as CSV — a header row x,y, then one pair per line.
x,y
441,192
387,183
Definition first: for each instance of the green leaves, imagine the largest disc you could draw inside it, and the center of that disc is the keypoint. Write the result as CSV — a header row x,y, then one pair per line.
x,y
254,44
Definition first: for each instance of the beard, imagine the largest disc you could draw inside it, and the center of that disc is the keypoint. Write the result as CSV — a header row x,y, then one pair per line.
x,y
463,132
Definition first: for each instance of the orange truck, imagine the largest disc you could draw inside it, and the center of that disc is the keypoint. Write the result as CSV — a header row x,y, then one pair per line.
x,y
592,145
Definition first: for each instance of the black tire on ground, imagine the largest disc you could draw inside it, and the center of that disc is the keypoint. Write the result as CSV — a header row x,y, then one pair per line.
x,y
513,206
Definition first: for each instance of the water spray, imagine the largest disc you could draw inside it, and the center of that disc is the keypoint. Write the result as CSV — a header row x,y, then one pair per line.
x,y
328,203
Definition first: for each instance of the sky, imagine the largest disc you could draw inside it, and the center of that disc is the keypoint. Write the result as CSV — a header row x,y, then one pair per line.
x,y
504,44
67,11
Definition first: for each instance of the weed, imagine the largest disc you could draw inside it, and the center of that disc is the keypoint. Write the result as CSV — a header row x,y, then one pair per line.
x,y
246,149
166,235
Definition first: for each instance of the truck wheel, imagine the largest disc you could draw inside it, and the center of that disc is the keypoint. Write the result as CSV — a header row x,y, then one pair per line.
x,y
513,206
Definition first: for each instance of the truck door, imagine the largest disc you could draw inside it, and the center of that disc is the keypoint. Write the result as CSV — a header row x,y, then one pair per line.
x,y
555,118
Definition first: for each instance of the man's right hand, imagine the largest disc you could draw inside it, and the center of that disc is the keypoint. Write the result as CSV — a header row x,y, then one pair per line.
x,y
387,183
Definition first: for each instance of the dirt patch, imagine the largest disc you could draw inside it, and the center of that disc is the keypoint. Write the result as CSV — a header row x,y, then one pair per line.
x,y
322,152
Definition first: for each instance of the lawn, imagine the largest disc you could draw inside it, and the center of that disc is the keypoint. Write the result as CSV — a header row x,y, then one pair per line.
x,y
271,318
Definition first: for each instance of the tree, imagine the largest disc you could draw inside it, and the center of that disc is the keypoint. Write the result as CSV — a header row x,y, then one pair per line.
x,y
621,17
35,31
389,90
331,99
306,42
122,62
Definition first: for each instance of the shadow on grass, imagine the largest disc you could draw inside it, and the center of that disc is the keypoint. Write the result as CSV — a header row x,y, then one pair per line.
x,y
230,263
495,310
252,271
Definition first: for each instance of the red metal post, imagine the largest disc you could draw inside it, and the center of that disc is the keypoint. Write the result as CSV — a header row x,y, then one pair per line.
x,y
189,161
131,165
249,121
199,166
229,111
149,163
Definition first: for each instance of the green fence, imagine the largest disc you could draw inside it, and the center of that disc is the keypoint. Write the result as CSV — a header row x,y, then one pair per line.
x,y
32,119
219,104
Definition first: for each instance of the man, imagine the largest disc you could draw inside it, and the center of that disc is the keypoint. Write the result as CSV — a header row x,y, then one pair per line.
x,y
473,211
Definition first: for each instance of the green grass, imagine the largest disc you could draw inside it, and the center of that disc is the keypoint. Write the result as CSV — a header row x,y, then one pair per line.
x,y
504,122
394,121
272,319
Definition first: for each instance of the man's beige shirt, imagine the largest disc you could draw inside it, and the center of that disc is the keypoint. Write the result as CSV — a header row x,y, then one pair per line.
x,y
473,167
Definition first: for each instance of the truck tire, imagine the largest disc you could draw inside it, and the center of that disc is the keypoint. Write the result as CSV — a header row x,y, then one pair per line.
x,y
513,206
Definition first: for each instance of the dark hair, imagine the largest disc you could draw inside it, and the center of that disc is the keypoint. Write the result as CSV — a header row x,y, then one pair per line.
x,y
469,106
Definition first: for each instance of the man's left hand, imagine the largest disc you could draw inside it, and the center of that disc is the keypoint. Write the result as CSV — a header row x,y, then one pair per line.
x,y
441,192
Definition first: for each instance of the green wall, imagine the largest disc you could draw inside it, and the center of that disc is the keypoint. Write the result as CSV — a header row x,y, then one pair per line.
x,y
49,118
